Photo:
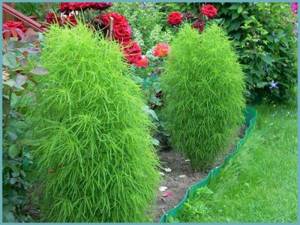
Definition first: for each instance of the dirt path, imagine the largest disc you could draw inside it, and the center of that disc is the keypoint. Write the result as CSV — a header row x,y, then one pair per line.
x,y
177,180
177,176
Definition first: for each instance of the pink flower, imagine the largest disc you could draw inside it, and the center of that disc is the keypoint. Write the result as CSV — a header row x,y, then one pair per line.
x,y
294,7
167,194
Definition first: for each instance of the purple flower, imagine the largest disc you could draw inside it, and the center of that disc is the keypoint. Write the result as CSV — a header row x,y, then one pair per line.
x,y
273,84
294,7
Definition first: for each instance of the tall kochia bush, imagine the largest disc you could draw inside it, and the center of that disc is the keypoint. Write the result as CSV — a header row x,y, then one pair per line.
x,y
203,86
95,153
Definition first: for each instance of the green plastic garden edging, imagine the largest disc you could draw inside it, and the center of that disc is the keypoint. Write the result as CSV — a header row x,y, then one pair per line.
x,y
250,116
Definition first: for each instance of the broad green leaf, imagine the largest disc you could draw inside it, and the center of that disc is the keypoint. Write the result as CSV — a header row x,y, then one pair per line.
x,y
13,151
9,60
39,71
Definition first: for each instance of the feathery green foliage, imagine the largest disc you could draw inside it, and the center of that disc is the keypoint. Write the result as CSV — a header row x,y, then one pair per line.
x,y
95,155
203,86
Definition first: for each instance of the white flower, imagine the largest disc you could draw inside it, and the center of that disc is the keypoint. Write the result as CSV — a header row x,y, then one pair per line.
x,y
163,188
168,170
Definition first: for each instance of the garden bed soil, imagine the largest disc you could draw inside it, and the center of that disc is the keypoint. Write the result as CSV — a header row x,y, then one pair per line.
x,y
181,176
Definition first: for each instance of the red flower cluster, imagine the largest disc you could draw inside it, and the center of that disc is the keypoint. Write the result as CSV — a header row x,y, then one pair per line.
x,y
132,51
161,50
208,10
120,27
199,25
121,32
13,29
70,20
73,6
175,18
53,18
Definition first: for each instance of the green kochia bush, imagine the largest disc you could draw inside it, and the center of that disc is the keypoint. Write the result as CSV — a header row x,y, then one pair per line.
x,y
95,153
203,86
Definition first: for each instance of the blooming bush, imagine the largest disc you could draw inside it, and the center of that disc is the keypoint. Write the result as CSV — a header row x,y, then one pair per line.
x,y
95,154
67,7
205,13
114,25
146,20
203,87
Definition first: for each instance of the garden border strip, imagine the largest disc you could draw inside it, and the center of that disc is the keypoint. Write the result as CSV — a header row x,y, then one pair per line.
x,y
250,116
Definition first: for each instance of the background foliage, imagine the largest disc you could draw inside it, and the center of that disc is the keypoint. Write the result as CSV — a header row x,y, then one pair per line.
x,y
266,43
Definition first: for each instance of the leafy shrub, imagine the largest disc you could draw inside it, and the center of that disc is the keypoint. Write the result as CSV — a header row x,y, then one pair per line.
x,y
203,87
95,156
266,44
20,65
145,20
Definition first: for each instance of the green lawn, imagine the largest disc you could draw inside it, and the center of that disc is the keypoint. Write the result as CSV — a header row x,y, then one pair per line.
x,y
260,184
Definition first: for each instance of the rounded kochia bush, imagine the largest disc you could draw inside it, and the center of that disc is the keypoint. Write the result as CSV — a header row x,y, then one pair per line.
x,y
95,153
203,85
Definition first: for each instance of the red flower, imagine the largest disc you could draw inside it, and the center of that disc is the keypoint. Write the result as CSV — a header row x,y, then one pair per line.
x,y
13,29
161,50
71,20
199,25
133,52
100,5
71,6
175,18
142,63
53,18
120,28
122,32
117,18
209,10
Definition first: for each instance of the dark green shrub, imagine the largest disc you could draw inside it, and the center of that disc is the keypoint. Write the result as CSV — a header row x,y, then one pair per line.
x,y
266,44
203,87
95,153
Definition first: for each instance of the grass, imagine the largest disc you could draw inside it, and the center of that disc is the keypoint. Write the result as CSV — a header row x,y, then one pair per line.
x,y
260,184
